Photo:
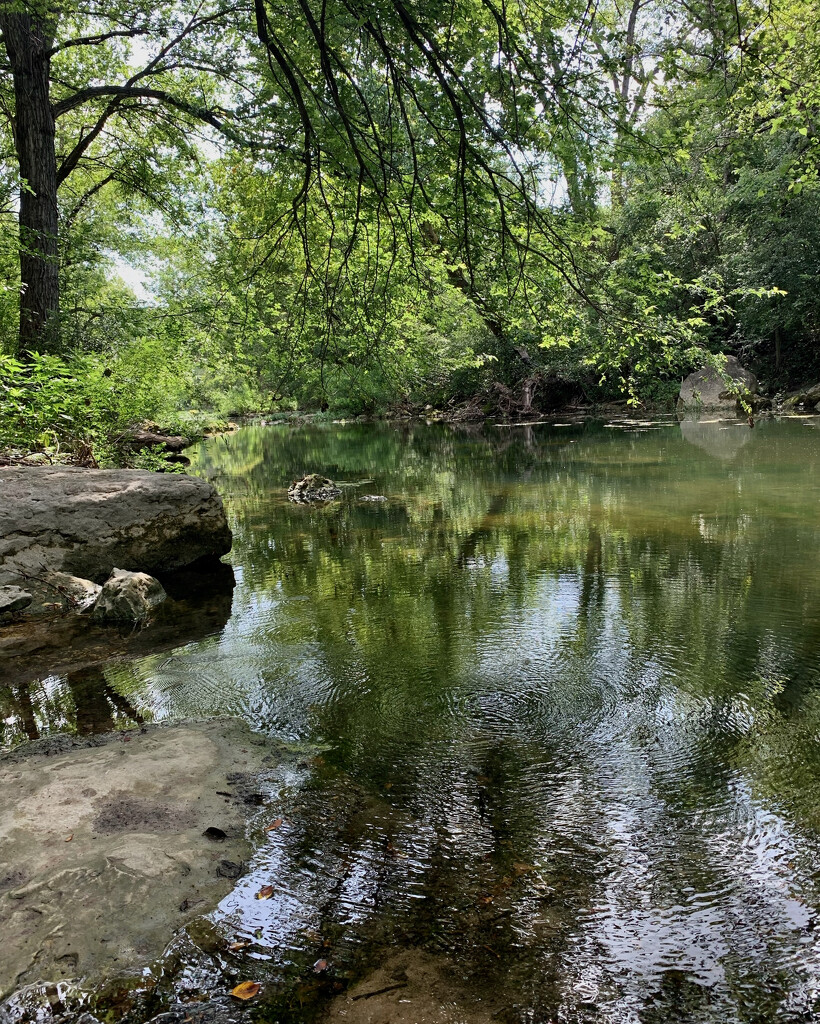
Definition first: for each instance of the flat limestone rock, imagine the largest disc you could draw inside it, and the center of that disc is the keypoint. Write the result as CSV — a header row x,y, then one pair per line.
x,y
102,852
86,522
137,438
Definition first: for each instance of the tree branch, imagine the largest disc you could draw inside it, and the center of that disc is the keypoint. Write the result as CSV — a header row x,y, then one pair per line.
x,y
93,40
93,92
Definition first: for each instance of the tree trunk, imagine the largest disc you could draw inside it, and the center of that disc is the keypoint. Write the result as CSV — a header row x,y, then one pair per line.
x,y
28,40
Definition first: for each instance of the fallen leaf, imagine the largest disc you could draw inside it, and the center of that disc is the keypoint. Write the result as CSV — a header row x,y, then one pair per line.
x,y
319,966
265,892
246,990
241,944
69,838
273,825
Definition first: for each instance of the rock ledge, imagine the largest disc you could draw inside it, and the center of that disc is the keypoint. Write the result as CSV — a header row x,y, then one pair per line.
x,y
86,522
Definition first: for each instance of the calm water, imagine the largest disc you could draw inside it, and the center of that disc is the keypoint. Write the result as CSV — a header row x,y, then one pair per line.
x,y
553,709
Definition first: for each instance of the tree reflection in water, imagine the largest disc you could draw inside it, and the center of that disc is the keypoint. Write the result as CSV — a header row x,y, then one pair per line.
x,y
555,707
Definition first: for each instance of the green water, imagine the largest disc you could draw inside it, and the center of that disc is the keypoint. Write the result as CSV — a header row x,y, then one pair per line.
x,y
559,697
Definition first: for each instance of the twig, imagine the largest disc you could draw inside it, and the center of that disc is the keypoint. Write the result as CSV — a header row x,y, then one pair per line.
x,y
380,991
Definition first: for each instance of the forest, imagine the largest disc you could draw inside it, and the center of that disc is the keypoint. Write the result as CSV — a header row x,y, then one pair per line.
x,y
211,209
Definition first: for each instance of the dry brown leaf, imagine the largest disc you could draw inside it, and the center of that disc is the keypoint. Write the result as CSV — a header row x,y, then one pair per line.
x,y
265,892
246,990
69,838
241,944
274,824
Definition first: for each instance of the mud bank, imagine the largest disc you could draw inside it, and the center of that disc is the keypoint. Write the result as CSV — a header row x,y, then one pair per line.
x,y
104,845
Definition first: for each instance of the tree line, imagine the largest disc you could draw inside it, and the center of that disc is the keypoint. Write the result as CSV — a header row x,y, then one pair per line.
x,y
354,203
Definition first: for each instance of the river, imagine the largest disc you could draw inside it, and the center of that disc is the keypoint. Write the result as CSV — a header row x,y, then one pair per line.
x,y
553,705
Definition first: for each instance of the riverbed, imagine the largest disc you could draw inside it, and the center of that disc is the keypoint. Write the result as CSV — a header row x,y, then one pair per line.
x,y
546,703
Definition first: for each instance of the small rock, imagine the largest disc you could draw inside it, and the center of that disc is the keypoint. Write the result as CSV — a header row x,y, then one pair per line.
x,y
229,869
81,594
128,597
313,487
14,599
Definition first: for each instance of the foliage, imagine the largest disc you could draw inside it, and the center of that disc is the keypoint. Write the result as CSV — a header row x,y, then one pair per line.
x,y
78,408
407,205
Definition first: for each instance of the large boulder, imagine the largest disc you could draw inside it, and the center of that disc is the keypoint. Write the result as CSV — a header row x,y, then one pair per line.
x,y
128,597
86,522
708,389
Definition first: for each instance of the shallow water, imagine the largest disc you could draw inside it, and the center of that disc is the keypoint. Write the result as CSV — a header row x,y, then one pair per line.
x,y
554,707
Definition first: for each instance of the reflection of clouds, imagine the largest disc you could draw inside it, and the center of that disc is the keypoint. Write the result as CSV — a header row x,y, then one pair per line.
x,y
706,895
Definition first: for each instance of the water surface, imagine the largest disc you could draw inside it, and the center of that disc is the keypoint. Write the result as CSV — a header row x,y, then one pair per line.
x,y
557,698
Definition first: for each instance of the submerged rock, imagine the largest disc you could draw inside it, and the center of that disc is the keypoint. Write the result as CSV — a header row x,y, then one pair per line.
x,y
313,487
707,389
128,597
411,986
14,599
87,521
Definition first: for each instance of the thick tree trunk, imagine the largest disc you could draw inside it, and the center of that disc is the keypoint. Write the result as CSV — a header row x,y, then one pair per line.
x,y
28,41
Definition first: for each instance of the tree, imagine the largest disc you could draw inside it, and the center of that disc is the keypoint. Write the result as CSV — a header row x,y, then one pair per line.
x,y
390,97
73,77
